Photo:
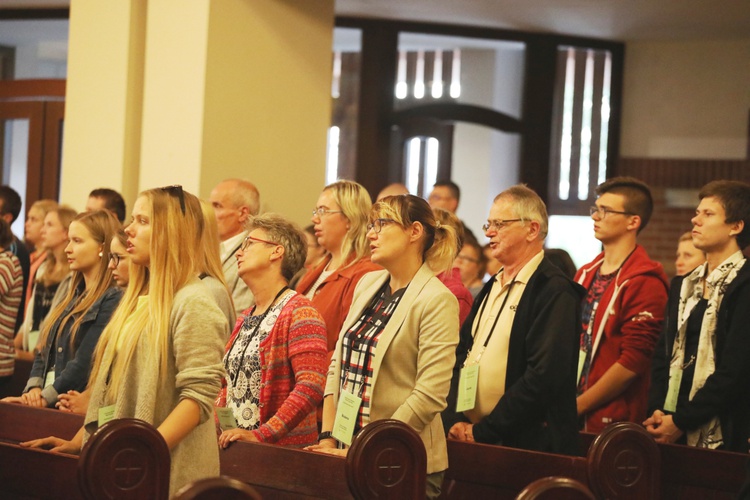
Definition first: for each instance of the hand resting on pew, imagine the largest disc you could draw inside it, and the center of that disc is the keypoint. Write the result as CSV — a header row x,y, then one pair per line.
x,y
31,398
329,447
58,445
73,402
462,431
229,436
661,426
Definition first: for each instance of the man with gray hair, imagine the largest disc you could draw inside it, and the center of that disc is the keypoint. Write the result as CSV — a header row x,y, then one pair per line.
x,y
234,202
514,379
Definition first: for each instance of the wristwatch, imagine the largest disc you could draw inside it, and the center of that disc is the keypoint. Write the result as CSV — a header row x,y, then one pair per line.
x,y
325,435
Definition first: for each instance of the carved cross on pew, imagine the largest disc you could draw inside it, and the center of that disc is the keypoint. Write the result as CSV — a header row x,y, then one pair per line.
x,y
628,465
129,468
390,470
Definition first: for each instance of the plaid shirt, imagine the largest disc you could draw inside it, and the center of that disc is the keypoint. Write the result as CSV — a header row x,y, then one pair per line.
x,y
359,346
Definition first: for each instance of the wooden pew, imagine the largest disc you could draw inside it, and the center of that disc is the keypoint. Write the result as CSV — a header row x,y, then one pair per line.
x,y
696,474
126,458
22,423
622,462
556,488
485,471
387,460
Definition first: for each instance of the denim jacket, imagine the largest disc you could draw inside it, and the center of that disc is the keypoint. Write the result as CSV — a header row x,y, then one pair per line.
x,y
72,364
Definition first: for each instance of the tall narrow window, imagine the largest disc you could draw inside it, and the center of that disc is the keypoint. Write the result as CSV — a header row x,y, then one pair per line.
x,y
332,155
580,126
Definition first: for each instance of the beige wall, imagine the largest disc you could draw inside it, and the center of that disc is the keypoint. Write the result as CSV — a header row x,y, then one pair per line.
x,y
686,99
167,92
103,99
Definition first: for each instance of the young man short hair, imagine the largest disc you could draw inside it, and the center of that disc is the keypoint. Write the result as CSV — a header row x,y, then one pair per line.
x,y
623,309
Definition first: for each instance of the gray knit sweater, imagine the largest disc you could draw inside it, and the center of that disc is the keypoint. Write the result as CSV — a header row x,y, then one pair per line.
x,y
194,371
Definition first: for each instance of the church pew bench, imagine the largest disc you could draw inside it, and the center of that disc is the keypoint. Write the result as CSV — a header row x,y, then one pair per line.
x,y
20,423
387,460
126,458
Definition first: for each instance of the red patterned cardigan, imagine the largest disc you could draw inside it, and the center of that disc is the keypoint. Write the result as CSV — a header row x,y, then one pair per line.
x,y
293,373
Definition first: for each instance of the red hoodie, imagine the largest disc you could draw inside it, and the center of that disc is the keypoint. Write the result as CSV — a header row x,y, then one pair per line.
x,y
630,316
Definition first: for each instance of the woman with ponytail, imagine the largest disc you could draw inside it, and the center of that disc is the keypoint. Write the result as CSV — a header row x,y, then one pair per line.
x,y
159,359
395,354
74,326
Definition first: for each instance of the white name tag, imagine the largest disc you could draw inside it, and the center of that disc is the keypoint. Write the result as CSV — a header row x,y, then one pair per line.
x,y
50,378
346,417
106,414
226,418
467,388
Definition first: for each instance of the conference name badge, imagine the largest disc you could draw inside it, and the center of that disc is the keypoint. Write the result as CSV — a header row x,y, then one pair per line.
x,y
346,417
106,414
226,419
467,388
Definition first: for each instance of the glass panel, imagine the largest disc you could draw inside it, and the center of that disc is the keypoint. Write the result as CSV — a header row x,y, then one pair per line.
x,y
575,235
15,157
347,51
434,68
485,162
41,47
581,123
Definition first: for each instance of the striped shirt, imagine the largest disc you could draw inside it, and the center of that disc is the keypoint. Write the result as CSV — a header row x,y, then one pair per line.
x,y
11,290
358,350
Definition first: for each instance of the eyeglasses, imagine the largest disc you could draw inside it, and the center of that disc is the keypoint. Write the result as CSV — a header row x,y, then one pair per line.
x,y
602,212
115,259
464,258
249,240
320,212
378,224
498,224
177,192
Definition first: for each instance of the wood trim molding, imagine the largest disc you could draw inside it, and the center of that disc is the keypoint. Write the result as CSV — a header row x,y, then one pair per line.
x,y
455,112
42,13
19,89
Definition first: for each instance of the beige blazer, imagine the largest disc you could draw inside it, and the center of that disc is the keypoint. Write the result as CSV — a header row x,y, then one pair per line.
x,y
413,360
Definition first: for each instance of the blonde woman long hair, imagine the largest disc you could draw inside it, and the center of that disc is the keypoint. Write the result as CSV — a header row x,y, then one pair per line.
x,y
49,276
355,204
102,226
210,244
174,259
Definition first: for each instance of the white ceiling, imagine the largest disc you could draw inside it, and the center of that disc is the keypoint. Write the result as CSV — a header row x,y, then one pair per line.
x,y
612,19
622,20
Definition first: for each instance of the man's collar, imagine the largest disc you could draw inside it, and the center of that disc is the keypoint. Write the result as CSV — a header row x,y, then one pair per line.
x,y
524,275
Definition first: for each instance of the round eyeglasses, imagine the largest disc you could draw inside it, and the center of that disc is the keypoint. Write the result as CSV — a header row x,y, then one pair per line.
x,y
602,212
498,224
114,259
377,225
320,212
249,240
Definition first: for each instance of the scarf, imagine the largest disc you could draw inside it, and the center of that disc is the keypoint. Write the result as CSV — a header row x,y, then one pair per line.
x,y
709,434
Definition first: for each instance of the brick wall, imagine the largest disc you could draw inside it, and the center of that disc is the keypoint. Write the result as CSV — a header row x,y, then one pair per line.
x,y
668,223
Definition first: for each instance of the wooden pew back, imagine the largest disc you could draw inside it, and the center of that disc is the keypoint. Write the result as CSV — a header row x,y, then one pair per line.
x,y
386,460
20,423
